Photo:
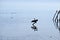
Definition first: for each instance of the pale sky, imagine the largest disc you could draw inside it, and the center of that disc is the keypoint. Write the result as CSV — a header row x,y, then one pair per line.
x,y
16,5
34,0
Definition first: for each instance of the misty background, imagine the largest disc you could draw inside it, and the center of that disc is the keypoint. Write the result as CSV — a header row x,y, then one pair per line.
x,y
16,16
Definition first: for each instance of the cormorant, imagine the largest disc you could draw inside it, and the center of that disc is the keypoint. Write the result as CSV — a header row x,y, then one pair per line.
x,y
35,20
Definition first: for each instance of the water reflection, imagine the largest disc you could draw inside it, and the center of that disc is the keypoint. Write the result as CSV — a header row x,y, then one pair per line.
x,y
56,19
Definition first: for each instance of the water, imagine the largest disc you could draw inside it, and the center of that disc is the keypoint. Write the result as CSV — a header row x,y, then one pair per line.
x,y
15,24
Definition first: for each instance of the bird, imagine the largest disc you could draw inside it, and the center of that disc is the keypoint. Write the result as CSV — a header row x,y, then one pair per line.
x,y
33,26
35,20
